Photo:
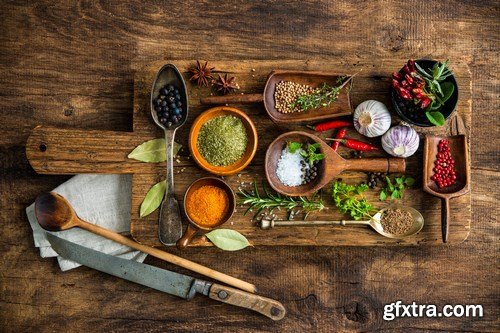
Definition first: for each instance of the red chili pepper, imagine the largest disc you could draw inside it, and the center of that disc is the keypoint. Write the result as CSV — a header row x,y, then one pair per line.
x,y
424,103
411,65
396,76
405,94
417,91
409,79
405,84
357,145
340,135
330,125
395,84
406,69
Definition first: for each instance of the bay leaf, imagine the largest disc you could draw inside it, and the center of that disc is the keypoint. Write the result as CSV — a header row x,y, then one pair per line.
x,y
227,239
153,198
152,151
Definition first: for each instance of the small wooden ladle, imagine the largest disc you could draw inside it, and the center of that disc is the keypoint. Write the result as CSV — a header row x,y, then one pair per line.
x,y
459,151
54,213
341,107
329,168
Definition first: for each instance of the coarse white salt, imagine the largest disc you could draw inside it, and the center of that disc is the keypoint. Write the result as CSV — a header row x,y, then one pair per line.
x,y
289,168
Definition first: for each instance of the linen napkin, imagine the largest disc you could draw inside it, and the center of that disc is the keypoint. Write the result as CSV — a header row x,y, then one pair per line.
x,y
103,200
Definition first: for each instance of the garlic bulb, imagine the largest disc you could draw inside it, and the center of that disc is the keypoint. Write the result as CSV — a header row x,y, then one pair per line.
x,y
371,118
401,141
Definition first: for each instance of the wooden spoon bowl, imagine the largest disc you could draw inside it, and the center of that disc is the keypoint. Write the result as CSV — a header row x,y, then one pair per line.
x,y
328,169
249,153
341,107
459,152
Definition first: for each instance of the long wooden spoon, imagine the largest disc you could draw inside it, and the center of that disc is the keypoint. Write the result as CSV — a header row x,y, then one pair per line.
x,y
55,213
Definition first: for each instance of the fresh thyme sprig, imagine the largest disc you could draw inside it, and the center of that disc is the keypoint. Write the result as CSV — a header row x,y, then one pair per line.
x,y
272,201
322,97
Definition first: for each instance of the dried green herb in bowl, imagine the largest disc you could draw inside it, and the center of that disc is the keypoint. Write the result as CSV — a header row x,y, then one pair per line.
x,y
222,140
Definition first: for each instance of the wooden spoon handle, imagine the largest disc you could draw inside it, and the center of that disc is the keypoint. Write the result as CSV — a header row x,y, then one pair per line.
x,y
167,256
445,218
397,165
266,306
246,98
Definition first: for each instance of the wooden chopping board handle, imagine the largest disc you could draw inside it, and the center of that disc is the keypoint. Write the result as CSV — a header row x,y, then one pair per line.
x,y
245,98
390,165
70,151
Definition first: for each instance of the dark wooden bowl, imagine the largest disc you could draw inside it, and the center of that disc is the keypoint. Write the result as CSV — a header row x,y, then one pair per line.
x,y
329,168
193,227
459,152
341,107
447,109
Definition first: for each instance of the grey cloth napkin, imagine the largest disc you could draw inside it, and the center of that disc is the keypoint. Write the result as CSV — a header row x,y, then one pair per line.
x,y
103,200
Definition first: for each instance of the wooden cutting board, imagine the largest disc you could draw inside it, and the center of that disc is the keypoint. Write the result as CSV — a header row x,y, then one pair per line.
x,y
69,151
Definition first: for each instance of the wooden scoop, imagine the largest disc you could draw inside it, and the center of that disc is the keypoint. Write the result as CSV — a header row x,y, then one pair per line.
x,y
328,169
459,152
54,213
341,107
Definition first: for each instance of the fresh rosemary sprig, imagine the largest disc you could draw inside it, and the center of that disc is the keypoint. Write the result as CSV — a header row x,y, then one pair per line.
x,y
272,201
322,97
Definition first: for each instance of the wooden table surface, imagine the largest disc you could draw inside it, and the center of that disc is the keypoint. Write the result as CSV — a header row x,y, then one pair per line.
x,y
72,64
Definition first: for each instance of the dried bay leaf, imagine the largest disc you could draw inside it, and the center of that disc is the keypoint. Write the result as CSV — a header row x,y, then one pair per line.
x,y
227,239
152,151
153,198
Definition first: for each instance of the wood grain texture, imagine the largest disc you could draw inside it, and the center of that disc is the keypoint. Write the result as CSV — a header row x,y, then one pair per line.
x,y
72,64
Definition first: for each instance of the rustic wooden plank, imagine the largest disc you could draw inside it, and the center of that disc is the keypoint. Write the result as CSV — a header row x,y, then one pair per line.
x,y
82,56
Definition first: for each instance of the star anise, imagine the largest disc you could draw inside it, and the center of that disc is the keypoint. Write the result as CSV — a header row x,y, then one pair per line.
x,y
202,74
225,84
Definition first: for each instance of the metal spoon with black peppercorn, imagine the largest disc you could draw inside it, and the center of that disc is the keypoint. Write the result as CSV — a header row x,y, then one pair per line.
x,y
169,109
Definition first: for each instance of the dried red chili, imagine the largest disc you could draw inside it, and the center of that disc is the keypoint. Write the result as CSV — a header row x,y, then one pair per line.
x,y
340,135
330,125
358,145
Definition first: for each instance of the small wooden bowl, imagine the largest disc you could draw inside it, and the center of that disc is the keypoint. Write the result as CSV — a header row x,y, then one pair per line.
x,y
247,157
193,227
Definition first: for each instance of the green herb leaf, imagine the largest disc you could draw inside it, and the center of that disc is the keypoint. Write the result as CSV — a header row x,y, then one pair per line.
x,y
349,200
152,151
153,198
448,88
409,181
395,195
227,239
383,195
294,146
435,117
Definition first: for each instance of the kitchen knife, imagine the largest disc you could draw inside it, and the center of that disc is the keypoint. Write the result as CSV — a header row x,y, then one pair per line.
x,y
161,279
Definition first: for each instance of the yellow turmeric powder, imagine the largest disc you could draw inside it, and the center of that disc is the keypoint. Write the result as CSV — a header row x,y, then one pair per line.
x,y
207,205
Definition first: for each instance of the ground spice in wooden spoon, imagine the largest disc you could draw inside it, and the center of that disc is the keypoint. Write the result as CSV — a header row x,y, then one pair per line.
x,y
396,221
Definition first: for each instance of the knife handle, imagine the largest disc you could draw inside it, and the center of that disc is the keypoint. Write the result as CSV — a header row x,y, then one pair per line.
x,y
266,306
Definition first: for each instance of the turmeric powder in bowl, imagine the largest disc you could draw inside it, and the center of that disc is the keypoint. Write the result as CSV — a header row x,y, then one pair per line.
x,y
207,206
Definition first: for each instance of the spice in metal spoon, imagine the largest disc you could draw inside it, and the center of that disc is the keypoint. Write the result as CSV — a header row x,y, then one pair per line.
x,y
223,140
396,221
207,205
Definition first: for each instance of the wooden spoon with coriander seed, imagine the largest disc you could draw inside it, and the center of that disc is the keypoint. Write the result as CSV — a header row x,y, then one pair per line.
x,y
340,107
328,168
54,213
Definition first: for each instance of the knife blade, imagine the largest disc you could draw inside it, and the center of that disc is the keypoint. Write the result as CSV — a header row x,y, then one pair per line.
x,y
163,280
